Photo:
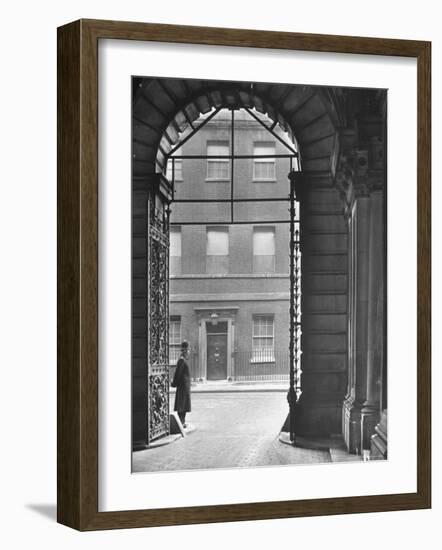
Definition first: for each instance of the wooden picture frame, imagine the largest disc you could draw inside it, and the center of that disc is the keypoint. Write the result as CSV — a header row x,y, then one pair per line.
x,y
77,388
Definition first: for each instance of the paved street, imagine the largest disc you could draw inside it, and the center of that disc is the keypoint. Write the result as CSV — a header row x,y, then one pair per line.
x,y
237,429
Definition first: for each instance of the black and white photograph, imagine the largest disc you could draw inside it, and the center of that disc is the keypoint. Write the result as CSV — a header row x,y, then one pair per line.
x,y
219,276
259,258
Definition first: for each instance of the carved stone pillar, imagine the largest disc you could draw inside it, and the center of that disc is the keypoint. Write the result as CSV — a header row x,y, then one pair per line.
x,y
360,178
358,317
350,218
371,408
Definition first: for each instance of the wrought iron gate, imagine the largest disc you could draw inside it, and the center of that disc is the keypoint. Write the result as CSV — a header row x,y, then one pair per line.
x,y
157,317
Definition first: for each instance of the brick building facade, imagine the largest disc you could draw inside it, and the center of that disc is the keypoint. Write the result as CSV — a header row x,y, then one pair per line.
x,y
229,284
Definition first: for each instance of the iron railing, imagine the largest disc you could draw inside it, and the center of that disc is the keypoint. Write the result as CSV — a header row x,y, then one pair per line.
x,y
261,366
248,366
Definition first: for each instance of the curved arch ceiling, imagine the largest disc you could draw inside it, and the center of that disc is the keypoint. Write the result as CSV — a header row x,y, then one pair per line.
x,y
166,107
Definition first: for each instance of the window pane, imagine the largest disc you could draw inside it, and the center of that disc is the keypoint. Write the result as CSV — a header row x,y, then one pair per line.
x,y
264,168
263,326
178,167
267,328
175,251
217,242
263,342
178,170
174,339
263,241
175,332
169,170
217,168
264,249
175,241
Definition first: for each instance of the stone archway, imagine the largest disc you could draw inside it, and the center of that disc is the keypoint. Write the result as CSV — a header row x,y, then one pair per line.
x,y
163,108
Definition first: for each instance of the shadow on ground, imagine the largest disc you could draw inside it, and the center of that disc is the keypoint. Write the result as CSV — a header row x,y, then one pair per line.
x,y
49,511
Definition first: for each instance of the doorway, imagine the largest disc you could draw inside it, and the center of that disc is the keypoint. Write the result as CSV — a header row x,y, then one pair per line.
x,y
216,351
216,196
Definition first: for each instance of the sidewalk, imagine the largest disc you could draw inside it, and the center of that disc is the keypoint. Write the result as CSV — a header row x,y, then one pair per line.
x,y
237,425
223,386
232,430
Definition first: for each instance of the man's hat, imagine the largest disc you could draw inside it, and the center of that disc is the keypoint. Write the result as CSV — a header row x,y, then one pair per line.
x,y
184,344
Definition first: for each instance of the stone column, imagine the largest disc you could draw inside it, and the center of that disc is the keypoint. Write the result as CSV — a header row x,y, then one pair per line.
x,y
358,324
371,408
350,312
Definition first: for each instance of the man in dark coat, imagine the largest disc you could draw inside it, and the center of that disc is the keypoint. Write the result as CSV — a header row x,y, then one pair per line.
x,y
181,381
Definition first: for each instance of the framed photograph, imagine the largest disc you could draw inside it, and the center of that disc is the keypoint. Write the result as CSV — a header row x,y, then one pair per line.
x,y
243,275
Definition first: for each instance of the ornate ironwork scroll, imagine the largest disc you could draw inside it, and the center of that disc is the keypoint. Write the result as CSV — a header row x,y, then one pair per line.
x,y
297,310
295,303
158,320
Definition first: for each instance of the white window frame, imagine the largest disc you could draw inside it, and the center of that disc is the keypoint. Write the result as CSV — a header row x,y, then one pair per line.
x,y
176,230
221,229
270,161
257,229
178,169
258,356
210,162
175,346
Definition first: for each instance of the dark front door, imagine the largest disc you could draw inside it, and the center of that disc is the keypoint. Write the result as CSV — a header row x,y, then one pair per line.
x,y
217,351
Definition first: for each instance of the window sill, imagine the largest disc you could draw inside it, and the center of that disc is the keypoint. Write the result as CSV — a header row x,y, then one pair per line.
x,y
260,361
257,180
215,180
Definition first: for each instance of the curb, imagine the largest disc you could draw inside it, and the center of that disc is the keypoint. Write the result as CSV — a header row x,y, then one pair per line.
x,y
235,389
